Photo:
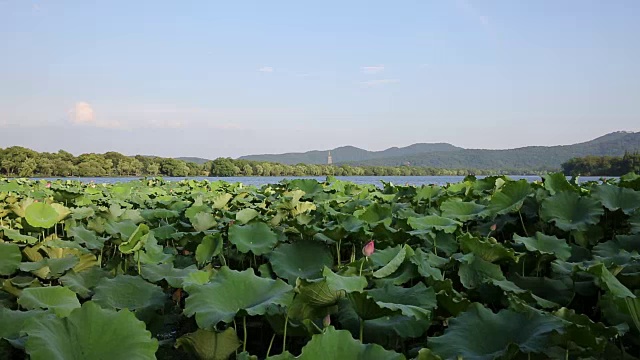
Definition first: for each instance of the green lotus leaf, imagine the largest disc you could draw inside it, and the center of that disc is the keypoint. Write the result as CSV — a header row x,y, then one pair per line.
x,y
203,221
221,200
314,300
57,298
256,237
393,264
545,244
41,215
17,237
50,268
474,271
417,301
153,214
339,344
10,258
510,197
489,250
379,330
609,282
302,259
615,197
90,333
466,335
13,321
245,215
309,186
83,236
135,241
231,291
83,282
374,214
569,211
80,213
428,264
174,277
554,290
634,221
210,246
62,211
128,292
556,183
210,345
586,333
152,252
433,222
462,211
347,284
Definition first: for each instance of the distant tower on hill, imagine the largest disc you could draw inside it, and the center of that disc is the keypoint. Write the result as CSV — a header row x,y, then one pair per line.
x,y
329,158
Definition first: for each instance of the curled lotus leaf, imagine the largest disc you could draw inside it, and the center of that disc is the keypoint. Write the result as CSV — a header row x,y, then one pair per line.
x,y
570,211
615,197
128,292
510,197
210,345
57,298
545,244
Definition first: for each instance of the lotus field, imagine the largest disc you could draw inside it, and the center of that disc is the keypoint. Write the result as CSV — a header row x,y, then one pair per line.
x,y
481,269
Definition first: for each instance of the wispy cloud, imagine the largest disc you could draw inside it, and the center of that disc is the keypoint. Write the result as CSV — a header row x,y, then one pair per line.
x,y
374,69
266,69
379,82
82,113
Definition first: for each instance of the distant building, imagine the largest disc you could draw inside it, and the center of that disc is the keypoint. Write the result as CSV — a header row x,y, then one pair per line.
x,y
329,158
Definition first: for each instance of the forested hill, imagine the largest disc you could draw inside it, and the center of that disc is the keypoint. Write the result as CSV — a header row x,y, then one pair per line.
x,y
451,157
350,154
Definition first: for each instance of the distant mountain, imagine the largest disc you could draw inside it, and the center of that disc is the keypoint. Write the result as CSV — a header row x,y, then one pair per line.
x,y
444,155
196,160
351,154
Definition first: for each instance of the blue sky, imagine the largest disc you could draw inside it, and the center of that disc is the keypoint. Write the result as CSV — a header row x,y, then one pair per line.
x,y
214,78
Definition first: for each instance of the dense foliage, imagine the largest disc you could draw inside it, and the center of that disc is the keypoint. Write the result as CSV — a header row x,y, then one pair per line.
x,y
18,161
603,165
480,269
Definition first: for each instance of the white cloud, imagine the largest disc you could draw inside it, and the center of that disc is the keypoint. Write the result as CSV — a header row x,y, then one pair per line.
x,y
372,69
82,113
266,69
380,82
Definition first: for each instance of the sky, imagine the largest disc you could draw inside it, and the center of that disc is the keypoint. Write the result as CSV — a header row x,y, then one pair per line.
x,y
232,78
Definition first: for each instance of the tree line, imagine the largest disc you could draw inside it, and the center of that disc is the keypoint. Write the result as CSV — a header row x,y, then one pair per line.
x,y
603,165
23,162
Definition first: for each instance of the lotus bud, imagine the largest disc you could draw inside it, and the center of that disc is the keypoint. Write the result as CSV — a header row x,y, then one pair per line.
x,y
368,249
493,227
48,185
326,321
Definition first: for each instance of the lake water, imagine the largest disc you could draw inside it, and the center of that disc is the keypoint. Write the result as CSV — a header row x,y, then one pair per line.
x,y
262,180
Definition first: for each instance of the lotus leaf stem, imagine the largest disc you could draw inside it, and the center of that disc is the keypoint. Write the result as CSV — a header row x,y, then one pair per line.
x,y
244,327
361,330
270,344
284,337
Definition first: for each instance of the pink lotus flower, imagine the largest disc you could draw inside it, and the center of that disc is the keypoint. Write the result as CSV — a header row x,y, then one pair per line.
x,y
368,249
326,321
48,185
493,227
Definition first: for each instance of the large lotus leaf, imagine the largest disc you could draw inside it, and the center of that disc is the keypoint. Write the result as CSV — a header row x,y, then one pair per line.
x,y
474,271
41,215
152,214
417,301
347,284
57,298
545,244
174,277
89,238
135,240
128,292
586,333
461,210
635,222
571,211
302,259
245,215
557,182
221,200
152,252
314,300
10,257
62,211
428,192
374,214
339,344
510,197
393,264
17,237
468,334
210,345
555,290
379,330
203,221
609,282
50,268
615,197
80,213
231,291
210,246
489,250
83,282
256,237
90,333
433,222
13,321
428,264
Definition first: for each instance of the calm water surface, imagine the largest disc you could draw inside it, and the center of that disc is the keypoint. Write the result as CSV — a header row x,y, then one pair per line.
x,y
262,180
